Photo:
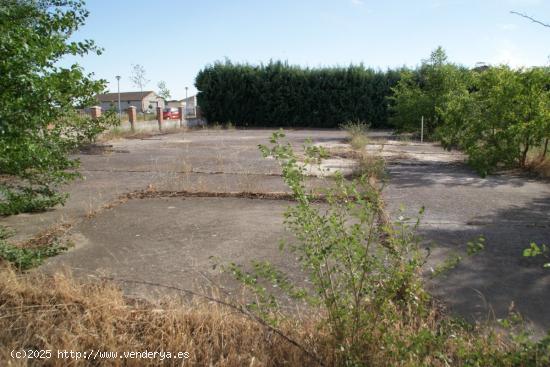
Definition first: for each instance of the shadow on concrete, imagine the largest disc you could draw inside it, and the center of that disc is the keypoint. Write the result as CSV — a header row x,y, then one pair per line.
x,y
486,285
415,174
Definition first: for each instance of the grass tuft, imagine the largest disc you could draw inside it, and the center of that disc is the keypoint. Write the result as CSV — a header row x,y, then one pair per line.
x,y
357,133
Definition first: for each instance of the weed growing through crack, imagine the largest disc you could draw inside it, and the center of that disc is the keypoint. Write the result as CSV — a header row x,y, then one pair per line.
x,y
473,247
26,257
357,133
542,251
370,166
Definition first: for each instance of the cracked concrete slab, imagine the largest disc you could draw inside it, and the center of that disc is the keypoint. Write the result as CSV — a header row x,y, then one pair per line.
x,y
170,240
176,241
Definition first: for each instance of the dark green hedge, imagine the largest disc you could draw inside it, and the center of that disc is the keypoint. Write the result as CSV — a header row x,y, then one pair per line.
x,y
280,95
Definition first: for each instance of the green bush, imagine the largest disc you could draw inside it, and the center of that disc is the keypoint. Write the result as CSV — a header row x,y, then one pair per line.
x,y
278,94
504,116
361,277
26,257
28,200
497,115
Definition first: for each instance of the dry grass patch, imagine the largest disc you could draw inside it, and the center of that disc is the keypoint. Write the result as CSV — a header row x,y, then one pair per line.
x,y
371,166
118,133
42,312
59,313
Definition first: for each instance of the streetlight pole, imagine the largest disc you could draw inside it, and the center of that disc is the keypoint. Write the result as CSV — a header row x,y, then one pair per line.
x,y
186,105
118,87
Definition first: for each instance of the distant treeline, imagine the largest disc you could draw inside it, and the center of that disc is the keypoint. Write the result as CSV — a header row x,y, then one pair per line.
x,y
282,95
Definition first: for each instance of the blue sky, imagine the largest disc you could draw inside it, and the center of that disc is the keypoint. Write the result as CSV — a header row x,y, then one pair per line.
x,y
174,39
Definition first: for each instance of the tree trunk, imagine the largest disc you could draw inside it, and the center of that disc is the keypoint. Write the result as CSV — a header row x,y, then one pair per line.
x,y
545,151
524,154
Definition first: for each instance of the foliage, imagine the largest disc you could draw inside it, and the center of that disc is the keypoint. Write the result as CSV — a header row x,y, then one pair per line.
x,y
28,200
473,247
497,115
535,250
355,127
358,133
476,246
83,129
371,166
361,269
363,272
426,92
506,114
163,90
38,99
278,94
26,257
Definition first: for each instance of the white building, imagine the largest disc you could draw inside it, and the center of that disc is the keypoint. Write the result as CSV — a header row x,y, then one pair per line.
x,y
146,101
189,104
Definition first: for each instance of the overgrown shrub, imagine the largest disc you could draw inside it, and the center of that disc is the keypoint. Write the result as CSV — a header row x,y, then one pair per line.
x,y
370,165
281,95
363,272
27,200
506,114
497,115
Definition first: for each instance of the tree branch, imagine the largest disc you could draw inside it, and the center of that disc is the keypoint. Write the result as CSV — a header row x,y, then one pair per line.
x,y
530,18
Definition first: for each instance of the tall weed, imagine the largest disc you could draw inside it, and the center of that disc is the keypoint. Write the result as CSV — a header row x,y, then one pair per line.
x,y
362,272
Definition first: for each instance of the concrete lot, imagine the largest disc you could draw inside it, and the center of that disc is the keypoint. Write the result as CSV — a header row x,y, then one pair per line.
x,y
171,240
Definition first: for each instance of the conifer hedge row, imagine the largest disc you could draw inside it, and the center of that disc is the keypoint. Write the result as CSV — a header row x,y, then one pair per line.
x,y
281,95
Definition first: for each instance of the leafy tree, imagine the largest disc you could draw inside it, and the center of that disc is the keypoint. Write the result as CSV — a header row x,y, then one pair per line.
x,y
163,90
38,101
533,116
426,92
506,114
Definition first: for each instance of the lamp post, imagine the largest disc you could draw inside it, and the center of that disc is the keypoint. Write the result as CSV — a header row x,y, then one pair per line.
x,y
118,88
186,105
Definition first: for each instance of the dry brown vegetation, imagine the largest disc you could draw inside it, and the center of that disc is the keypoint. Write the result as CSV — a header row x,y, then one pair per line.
x,y
59,313
118,133
43,312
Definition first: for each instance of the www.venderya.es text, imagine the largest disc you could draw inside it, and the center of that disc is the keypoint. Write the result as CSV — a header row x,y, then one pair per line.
x,y
93,354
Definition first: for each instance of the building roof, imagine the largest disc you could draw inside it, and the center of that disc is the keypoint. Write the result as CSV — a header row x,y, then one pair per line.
x,y
124,96
189,99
